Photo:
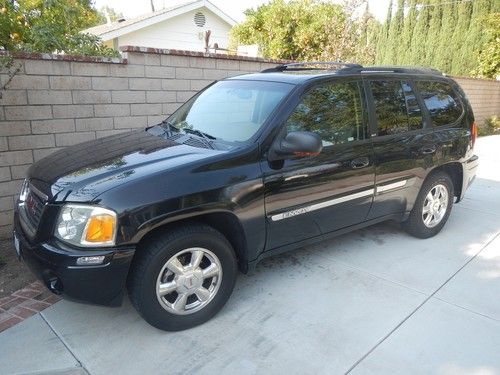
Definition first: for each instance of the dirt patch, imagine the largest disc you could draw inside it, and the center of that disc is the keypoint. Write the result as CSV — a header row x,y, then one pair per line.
x,y
14,275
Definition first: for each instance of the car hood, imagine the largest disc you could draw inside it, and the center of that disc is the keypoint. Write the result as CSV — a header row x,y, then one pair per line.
x,y
82,172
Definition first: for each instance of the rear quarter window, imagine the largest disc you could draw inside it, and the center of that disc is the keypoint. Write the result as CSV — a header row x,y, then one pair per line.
x,y
441,101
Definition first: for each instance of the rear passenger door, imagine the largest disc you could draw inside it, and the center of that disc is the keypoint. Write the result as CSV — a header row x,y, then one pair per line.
x,y
403,144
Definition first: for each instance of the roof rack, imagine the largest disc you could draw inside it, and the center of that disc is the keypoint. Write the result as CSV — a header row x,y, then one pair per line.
x,y
312,65
350,68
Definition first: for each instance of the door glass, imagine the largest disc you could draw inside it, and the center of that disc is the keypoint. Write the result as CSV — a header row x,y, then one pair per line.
x,y
441,101
331,110
396,107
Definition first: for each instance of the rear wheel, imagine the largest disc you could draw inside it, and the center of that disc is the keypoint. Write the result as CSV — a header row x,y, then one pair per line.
x,y
183,278
432,207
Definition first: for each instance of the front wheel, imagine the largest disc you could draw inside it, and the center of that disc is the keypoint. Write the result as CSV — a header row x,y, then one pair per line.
x,y
183,278
432,207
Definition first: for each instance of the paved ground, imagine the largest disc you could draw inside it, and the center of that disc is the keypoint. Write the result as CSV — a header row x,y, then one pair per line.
x,y
373,301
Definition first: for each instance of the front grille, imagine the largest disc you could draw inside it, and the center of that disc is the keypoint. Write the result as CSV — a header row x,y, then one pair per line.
x,y
31,210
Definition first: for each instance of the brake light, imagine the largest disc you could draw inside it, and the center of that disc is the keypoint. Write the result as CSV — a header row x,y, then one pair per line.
x,y
474,133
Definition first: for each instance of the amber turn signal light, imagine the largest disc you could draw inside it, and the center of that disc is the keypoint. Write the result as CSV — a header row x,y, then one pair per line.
x,y
100,228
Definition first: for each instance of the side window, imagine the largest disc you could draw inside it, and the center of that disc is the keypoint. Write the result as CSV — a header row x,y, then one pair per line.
x,y
441,101
333,111
396,107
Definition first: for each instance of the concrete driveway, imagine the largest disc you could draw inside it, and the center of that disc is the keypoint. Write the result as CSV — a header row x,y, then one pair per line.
x,y
373,301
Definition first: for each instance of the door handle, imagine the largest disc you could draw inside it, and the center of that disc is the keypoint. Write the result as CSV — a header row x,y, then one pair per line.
x,y
360,163
428,150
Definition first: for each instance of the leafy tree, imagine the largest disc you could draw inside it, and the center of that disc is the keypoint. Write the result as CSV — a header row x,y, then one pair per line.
x,y
111,12
459,59
299,30
383,39
418,47
50,26
489,55
434,33
444,54
395,29
407,34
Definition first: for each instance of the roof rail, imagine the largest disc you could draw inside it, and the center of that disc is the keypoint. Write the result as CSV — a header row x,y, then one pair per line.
x,y
399,69
313,65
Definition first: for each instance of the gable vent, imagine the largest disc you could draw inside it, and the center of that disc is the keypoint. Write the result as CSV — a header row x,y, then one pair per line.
x,y
199,19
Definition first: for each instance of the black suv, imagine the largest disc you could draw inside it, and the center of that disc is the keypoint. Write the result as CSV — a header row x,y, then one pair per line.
x,y
249,167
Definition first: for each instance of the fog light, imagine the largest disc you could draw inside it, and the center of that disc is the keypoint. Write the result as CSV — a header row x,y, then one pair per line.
x,y
86,261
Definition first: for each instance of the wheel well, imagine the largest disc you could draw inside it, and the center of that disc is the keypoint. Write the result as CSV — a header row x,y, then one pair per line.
x,y
456,173
224,222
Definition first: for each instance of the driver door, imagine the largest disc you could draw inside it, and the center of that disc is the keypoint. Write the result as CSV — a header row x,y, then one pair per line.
x,y
310,196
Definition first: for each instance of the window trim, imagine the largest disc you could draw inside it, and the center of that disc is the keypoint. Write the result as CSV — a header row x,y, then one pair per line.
x,y
333,80
428,114
371,105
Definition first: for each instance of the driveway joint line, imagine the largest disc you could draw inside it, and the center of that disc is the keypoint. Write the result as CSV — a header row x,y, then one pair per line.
x,y
66,345
467,309
419,306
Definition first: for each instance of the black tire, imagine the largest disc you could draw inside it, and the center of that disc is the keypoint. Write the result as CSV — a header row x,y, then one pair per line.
x,y
415,225
155,253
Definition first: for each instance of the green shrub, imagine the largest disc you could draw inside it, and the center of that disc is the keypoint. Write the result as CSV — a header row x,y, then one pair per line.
x,y
490,126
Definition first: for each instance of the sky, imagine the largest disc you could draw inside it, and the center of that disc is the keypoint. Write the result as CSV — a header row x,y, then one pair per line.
x,y
233,8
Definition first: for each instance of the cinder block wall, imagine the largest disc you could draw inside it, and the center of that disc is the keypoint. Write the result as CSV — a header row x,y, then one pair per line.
x,y
484,96
56,101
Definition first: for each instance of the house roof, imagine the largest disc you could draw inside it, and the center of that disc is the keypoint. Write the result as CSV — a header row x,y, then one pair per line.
x,y
116,29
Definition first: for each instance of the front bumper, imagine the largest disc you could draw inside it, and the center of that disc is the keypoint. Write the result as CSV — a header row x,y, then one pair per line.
x,y
55,265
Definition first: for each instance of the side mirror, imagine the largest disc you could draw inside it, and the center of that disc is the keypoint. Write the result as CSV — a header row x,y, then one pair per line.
x,y
297,144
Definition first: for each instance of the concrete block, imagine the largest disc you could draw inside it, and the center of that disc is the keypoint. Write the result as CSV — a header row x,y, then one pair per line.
x,y
161,96
228,64
126,70
91,97
19,171
43,152
109,83
160,72
214,74
202,62
88,124
197,85
183,96
169,108
49,97
70,83
9,158
15,128
145,109
89,69
28,142
152,59
176,84
130,122
28,82
5,174
188,73
144,84
13,97
6,203
69,139
10,188
32,112
111,110
171,60
50,67
128,96
73,111
52,126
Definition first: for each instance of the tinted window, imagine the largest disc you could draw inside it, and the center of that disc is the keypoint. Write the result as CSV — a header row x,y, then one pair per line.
x,y
232,110
333,111
396,107
441,101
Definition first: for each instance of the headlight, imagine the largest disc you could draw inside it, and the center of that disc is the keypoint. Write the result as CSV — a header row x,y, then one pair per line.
x,y
86,225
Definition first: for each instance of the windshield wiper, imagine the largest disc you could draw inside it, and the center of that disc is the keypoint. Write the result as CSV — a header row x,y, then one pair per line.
x,y
207,137
169,126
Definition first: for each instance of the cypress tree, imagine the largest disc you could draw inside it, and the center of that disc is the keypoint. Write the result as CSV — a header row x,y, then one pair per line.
x,y
433,34
418,47
444,53
407,34
458,38
382,43
394,36
475,37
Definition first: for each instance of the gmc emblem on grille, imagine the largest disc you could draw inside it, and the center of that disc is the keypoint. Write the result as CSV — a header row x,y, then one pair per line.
x,y
30,203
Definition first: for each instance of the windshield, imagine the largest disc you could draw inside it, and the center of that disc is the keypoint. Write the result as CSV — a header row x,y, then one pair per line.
x,y
230,110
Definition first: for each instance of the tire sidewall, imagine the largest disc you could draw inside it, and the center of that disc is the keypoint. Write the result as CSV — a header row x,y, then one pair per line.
x,y
152,310
436,179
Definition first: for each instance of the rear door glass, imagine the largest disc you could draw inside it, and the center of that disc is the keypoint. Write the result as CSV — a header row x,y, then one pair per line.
x,y
396,107
441,101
